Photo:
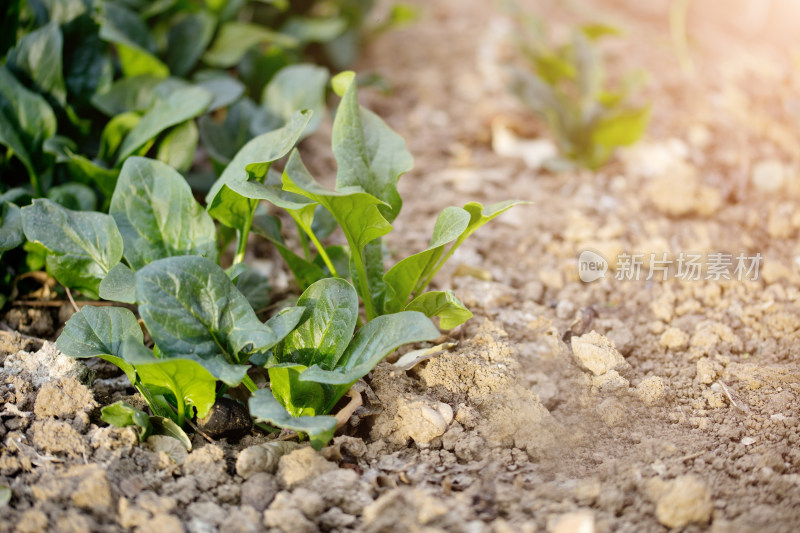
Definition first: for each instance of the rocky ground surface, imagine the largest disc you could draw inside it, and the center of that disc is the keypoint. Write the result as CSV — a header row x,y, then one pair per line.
x,y
564,406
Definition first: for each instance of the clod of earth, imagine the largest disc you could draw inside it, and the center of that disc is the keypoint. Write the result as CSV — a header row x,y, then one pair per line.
x,y
227,418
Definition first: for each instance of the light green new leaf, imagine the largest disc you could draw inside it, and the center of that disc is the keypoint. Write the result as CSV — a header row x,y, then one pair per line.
x,y
235,38
377,339
187,40
182,105
252,162
356,212
321,337
621,129
178,146
100,332
403,278
300,398
369,154
480,215
120,414
39,55
167,427
119,285
82,246
298,87
191,307
188,380
266,408
157,215
444,304
114,133
11,234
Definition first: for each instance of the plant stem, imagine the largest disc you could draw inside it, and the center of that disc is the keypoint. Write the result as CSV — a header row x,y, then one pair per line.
x,y
245,231
247,381
243,234
181,411
366,296
317,244
303,241
323,254
424,283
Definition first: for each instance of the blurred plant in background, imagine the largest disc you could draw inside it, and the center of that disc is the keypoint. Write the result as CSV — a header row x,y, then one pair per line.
x,y
566,84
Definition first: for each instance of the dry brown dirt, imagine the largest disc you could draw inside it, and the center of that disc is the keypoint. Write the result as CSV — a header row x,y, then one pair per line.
x,y
674,404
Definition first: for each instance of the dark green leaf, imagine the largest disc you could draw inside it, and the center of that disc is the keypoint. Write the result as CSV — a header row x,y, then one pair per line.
x,y
80,168
128,94
33,117
100,332
190,306
11,234
223,140
255,287
38,54
157,215
120,414
369,154
266,408
305,272
82,246
136,46
321,337
74,196
181,105
10,139
187,40
119,285
444,304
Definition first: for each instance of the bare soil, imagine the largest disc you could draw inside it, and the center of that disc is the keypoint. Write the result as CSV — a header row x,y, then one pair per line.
x,y
671,404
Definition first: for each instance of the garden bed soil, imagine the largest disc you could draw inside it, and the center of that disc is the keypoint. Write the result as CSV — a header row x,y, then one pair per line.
x,y
616,405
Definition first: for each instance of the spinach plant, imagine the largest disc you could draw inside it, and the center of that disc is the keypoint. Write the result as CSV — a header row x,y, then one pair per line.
x,y
156,250
371,158
567,86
